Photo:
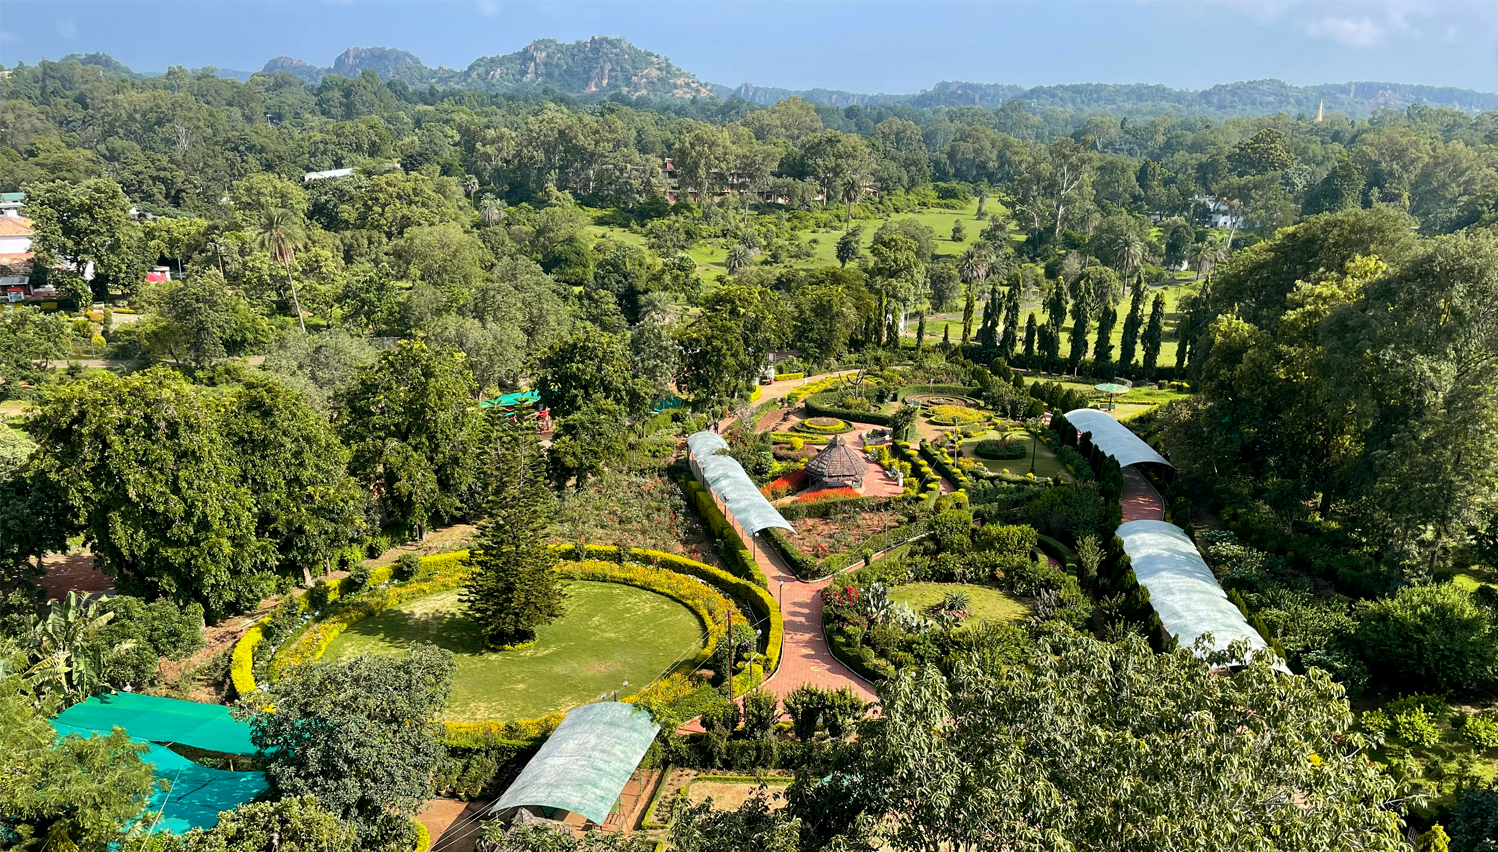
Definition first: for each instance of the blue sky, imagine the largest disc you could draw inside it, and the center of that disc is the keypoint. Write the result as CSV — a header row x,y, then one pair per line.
x,y
858,46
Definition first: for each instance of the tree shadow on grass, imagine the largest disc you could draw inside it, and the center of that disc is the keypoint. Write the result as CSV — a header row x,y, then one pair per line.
x,y
399,630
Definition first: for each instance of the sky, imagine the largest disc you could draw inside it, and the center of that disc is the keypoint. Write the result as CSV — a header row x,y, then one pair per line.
x,y
892,47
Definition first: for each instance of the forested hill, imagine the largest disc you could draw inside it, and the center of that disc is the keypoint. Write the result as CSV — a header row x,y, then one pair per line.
x,y
603,67
1228,100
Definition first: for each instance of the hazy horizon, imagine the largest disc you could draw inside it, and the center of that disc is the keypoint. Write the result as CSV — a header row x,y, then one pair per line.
x,y
867,48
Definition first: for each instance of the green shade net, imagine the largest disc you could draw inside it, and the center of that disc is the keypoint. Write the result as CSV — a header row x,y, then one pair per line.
x,y
195,794
162,720
510,399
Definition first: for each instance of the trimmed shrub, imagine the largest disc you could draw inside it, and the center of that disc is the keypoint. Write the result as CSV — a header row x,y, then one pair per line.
x,y
1481,729
823,426
1000,449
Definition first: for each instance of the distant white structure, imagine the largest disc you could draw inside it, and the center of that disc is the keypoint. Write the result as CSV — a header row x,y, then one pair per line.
x,y
330,173
1219,215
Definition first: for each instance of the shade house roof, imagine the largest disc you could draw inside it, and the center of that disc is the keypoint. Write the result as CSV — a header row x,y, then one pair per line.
x,y
1114,438
583,767
837,461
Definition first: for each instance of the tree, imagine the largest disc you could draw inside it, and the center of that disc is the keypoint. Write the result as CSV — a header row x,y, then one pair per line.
x,y
920,333
513,588
1010,336
413,431
1055,318
849,246
280,234
1341,189
1154,333
1133,324
753,825
959,232
1265,151
71,792
307,506
969,306
1428,638
201,320
78,225
362,736
1100,746
585,443
1103,351
296,824
739,257
1030,333
1474,821
588,365
823,321
142,469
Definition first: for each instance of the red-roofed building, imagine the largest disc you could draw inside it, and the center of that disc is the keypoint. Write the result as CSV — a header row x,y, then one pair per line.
x,y
15,235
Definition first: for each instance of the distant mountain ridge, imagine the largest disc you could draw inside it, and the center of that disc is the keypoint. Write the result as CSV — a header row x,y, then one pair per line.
x,y
604,66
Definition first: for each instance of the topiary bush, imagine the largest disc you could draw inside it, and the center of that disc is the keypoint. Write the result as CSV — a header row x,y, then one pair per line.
x,y
999,449
1432,638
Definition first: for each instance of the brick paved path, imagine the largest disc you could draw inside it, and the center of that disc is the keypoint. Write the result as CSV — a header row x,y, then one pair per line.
x,y
1141,502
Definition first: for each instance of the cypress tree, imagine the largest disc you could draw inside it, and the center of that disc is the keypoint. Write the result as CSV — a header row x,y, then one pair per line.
x,y
1055,318
1078,340
1183,343
1132,323
920,333
946,337
1030,337
1102,353
514,586
1011,318
1153,333
968,304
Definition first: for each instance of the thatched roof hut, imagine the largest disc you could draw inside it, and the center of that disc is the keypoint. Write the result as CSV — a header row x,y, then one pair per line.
x,y
838,465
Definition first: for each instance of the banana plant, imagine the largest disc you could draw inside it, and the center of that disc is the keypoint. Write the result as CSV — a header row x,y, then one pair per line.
x,y
62,642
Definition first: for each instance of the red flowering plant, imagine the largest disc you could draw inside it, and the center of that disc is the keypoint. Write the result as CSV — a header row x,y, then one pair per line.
x,y
841,605
829,494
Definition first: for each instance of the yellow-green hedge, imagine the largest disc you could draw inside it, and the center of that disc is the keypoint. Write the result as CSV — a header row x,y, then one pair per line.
x,y
709,605
785,377
242,662
423,837
755,394
761,601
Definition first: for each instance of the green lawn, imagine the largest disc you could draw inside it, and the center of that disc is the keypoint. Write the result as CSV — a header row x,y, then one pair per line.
x,y
711,259
610,634
1046,463
986,604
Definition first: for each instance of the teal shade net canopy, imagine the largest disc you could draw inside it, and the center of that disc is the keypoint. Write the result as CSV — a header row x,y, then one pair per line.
x,y
583,767
195,794
163,720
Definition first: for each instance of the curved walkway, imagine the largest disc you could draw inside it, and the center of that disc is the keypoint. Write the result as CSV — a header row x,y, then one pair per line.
x,y
804,656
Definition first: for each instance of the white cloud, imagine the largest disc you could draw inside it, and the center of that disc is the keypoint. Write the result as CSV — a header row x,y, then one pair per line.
x,y
66,28
1353,32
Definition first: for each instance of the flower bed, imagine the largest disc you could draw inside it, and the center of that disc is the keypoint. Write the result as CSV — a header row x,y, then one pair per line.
x,y
954,415
823,426
785,485
829,494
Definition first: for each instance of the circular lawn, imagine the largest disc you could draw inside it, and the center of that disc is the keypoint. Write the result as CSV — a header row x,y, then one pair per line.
x,y
610,633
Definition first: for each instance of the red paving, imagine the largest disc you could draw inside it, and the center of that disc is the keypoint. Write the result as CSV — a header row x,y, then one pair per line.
x,y
1141,502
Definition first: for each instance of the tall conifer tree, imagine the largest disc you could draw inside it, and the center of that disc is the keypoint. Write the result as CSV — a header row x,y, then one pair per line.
x,y
1154,332
1133,322
514,587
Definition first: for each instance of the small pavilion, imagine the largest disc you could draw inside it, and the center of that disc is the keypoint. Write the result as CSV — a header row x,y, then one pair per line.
x,y
837,466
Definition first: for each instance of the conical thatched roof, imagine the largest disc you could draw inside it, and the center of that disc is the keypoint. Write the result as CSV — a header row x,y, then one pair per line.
x,y
837,463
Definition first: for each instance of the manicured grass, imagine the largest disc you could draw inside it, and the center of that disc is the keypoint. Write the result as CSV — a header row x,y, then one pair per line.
x,y
1046,463
985,604
610,634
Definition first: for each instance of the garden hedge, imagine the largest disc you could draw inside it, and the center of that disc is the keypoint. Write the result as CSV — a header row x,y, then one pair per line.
x,y
737,554
242,661
762,602
821,408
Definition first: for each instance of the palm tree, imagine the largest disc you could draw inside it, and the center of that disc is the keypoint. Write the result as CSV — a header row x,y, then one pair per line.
x,y
1206,255
738,257
492,210
1129,251
850,189
471,186
975,265
280,235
